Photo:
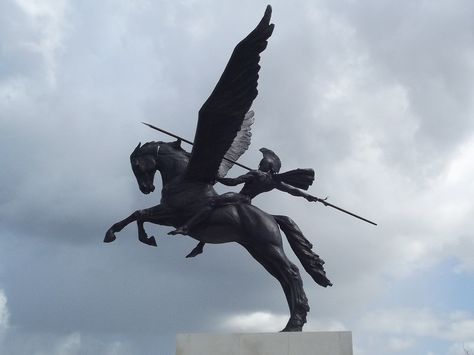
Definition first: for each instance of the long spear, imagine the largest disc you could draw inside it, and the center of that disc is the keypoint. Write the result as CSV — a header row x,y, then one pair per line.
x,y
317,199
189,142
325,203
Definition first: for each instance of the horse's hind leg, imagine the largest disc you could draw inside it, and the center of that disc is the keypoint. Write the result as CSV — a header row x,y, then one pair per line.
x,y
274,260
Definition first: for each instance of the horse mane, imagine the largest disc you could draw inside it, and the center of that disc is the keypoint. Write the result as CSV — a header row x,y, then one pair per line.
x,y
149,147
176,145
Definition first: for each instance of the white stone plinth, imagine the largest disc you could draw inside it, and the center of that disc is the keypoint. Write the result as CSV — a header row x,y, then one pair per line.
x,y
304,343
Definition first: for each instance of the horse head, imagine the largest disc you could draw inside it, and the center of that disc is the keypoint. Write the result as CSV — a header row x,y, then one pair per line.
x,y
168,158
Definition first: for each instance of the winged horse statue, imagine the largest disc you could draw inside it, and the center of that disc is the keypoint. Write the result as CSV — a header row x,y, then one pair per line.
x,y
222,136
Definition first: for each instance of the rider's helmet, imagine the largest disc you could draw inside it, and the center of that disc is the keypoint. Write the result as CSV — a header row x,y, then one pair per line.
x,y
270,161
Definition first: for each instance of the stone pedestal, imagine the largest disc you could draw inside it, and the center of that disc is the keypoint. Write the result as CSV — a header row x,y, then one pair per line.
x,y
304,343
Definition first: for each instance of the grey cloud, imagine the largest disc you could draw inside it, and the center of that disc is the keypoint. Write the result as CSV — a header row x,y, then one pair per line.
x,y
426,48
359,92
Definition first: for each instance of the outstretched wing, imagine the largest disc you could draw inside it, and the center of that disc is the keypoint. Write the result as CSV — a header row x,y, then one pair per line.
x,y
222,116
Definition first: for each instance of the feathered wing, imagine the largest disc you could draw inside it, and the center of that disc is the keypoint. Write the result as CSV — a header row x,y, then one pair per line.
x,y
223,115
238,147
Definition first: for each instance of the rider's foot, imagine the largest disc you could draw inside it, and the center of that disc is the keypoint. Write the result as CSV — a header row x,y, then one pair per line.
x,y
181,230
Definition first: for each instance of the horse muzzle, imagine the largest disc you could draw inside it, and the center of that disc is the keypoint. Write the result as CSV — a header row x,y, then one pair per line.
x,y
146,189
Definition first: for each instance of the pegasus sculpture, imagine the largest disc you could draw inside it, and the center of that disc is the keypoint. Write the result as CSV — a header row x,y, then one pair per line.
x,y
222,136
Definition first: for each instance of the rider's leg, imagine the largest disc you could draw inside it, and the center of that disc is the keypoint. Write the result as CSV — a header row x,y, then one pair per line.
x,y
219,201
194,221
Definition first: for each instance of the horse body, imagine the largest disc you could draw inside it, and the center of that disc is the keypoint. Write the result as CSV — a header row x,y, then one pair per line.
x,y
258,232
243,224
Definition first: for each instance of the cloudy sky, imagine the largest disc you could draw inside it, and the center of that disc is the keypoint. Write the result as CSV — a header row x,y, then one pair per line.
x,y
376,96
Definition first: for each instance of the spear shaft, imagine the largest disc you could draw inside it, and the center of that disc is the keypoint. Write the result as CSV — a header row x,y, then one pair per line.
x,y
325,203
189,142
317,199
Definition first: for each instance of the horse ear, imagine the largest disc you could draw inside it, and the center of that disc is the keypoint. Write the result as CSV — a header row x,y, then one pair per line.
x,y
138,147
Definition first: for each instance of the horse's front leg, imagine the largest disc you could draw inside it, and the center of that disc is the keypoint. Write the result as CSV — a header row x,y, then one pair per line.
x,y
158,215
142,236
117,227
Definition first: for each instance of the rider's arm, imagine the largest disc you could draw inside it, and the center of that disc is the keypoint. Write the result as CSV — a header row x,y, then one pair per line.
x,y
235,181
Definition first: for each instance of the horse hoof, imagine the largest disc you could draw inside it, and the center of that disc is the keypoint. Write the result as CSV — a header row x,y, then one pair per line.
x,y
109,237
194,253
292,329
294,325
149,241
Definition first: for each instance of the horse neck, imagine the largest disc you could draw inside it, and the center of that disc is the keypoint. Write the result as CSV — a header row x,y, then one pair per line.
x,y
173,169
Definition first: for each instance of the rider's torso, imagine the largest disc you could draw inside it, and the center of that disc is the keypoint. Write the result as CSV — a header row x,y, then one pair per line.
x,y
261,182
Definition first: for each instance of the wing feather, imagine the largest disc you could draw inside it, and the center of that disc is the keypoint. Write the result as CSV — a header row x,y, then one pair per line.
x,y
238,147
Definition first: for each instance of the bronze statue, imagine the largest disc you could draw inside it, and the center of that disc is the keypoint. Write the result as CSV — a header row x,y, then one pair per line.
x,y
222,136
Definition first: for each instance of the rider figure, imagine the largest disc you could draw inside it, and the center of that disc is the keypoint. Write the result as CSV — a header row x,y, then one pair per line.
x,y
265,179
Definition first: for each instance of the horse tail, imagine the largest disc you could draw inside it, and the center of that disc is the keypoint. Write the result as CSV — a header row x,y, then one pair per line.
x,y
301,246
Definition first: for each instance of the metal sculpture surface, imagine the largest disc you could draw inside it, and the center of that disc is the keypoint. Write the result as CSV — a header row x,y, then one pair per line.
x,y
189,202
